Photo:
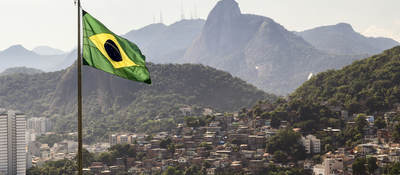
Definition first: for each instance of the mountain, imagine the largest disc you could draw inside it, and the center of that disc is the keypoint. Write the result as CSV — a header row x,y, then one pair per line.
x,y
342,39
165,44
20,70
258,50
160,43
46,50
68,59
369,85
18,56
144,36
111,101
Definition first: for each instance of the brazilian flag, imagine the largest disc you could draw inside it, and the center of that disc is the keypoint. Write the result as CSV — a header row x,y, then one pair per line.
x,y
104,50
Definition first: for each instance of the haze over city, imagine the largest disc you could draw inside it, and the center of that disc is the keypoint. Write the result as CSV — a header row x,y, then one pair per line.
x,y
53,23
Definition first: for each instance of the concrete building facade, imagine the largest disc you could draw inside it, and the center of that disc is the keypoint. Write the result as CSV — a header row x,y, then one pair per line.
x,y
312,144
39,125
12,143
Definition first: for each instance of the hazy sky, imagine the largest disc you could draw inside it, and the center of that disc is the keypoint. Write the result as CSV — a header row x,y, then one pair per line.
x,y
53,22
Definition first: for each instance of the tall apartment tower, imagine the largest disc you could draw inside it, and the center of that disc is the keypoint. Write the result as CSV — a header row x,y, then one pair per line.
x,y
39,125
12,143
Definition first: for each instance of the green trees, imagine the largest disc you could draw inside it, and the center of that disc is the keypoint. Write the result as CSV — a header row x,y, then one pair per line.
x,y
288,143
127,106
88,158
308,116
205,145
172,171
165,143
372,165
394,169
54,167
122,151
168,144
359,166
363,165
353,134
280,157
350,136
380,123
361,122
193,170
50,139
110,157
275,170
106,158
194,121
396,133
369,85
275,122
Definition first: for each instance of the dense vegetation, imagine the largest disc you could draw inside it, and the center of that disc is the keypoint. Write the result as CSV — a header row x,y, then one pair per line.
x,y
113,104
30,94
308,116
286,147
51,139
54,168
371,85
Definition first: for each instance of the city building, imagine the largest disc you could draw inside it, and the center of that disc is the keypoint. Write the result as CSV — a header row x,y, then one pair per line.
x,y
333,166
115,139
12,143
312,144
319,169
40,125
330,166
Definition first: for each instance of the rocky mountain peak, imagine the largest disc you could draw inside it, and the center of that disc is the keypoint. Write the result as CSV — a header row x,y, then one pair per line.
x,y
345,27
17,50
225,9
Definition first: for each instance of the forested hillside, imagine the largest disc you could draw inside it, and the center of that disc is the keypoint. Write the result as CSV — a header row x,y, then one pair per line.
x,y
371,84
112,103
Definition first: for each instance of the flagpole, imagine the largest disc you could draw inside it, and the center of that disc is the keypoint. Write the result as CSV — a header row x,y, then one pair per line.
x,y
80,156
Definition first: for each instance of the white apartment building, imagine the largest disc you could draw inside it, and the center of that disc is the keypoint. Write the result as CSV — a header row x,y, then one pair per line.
x,y
311,144
319,169
40,125
330,166
12,143
115,139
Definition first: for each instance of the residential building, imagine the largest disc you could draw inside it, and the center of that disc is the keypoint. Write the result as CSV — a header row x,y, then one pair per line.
x,y
319,169
113,139
12,143
40,125
333,166
311,144
330,166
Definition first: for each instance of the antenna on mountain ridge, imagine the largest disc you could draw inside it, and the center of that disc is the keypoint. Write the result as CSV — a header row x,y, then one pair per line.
x,y
195,11
161,17
182,11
